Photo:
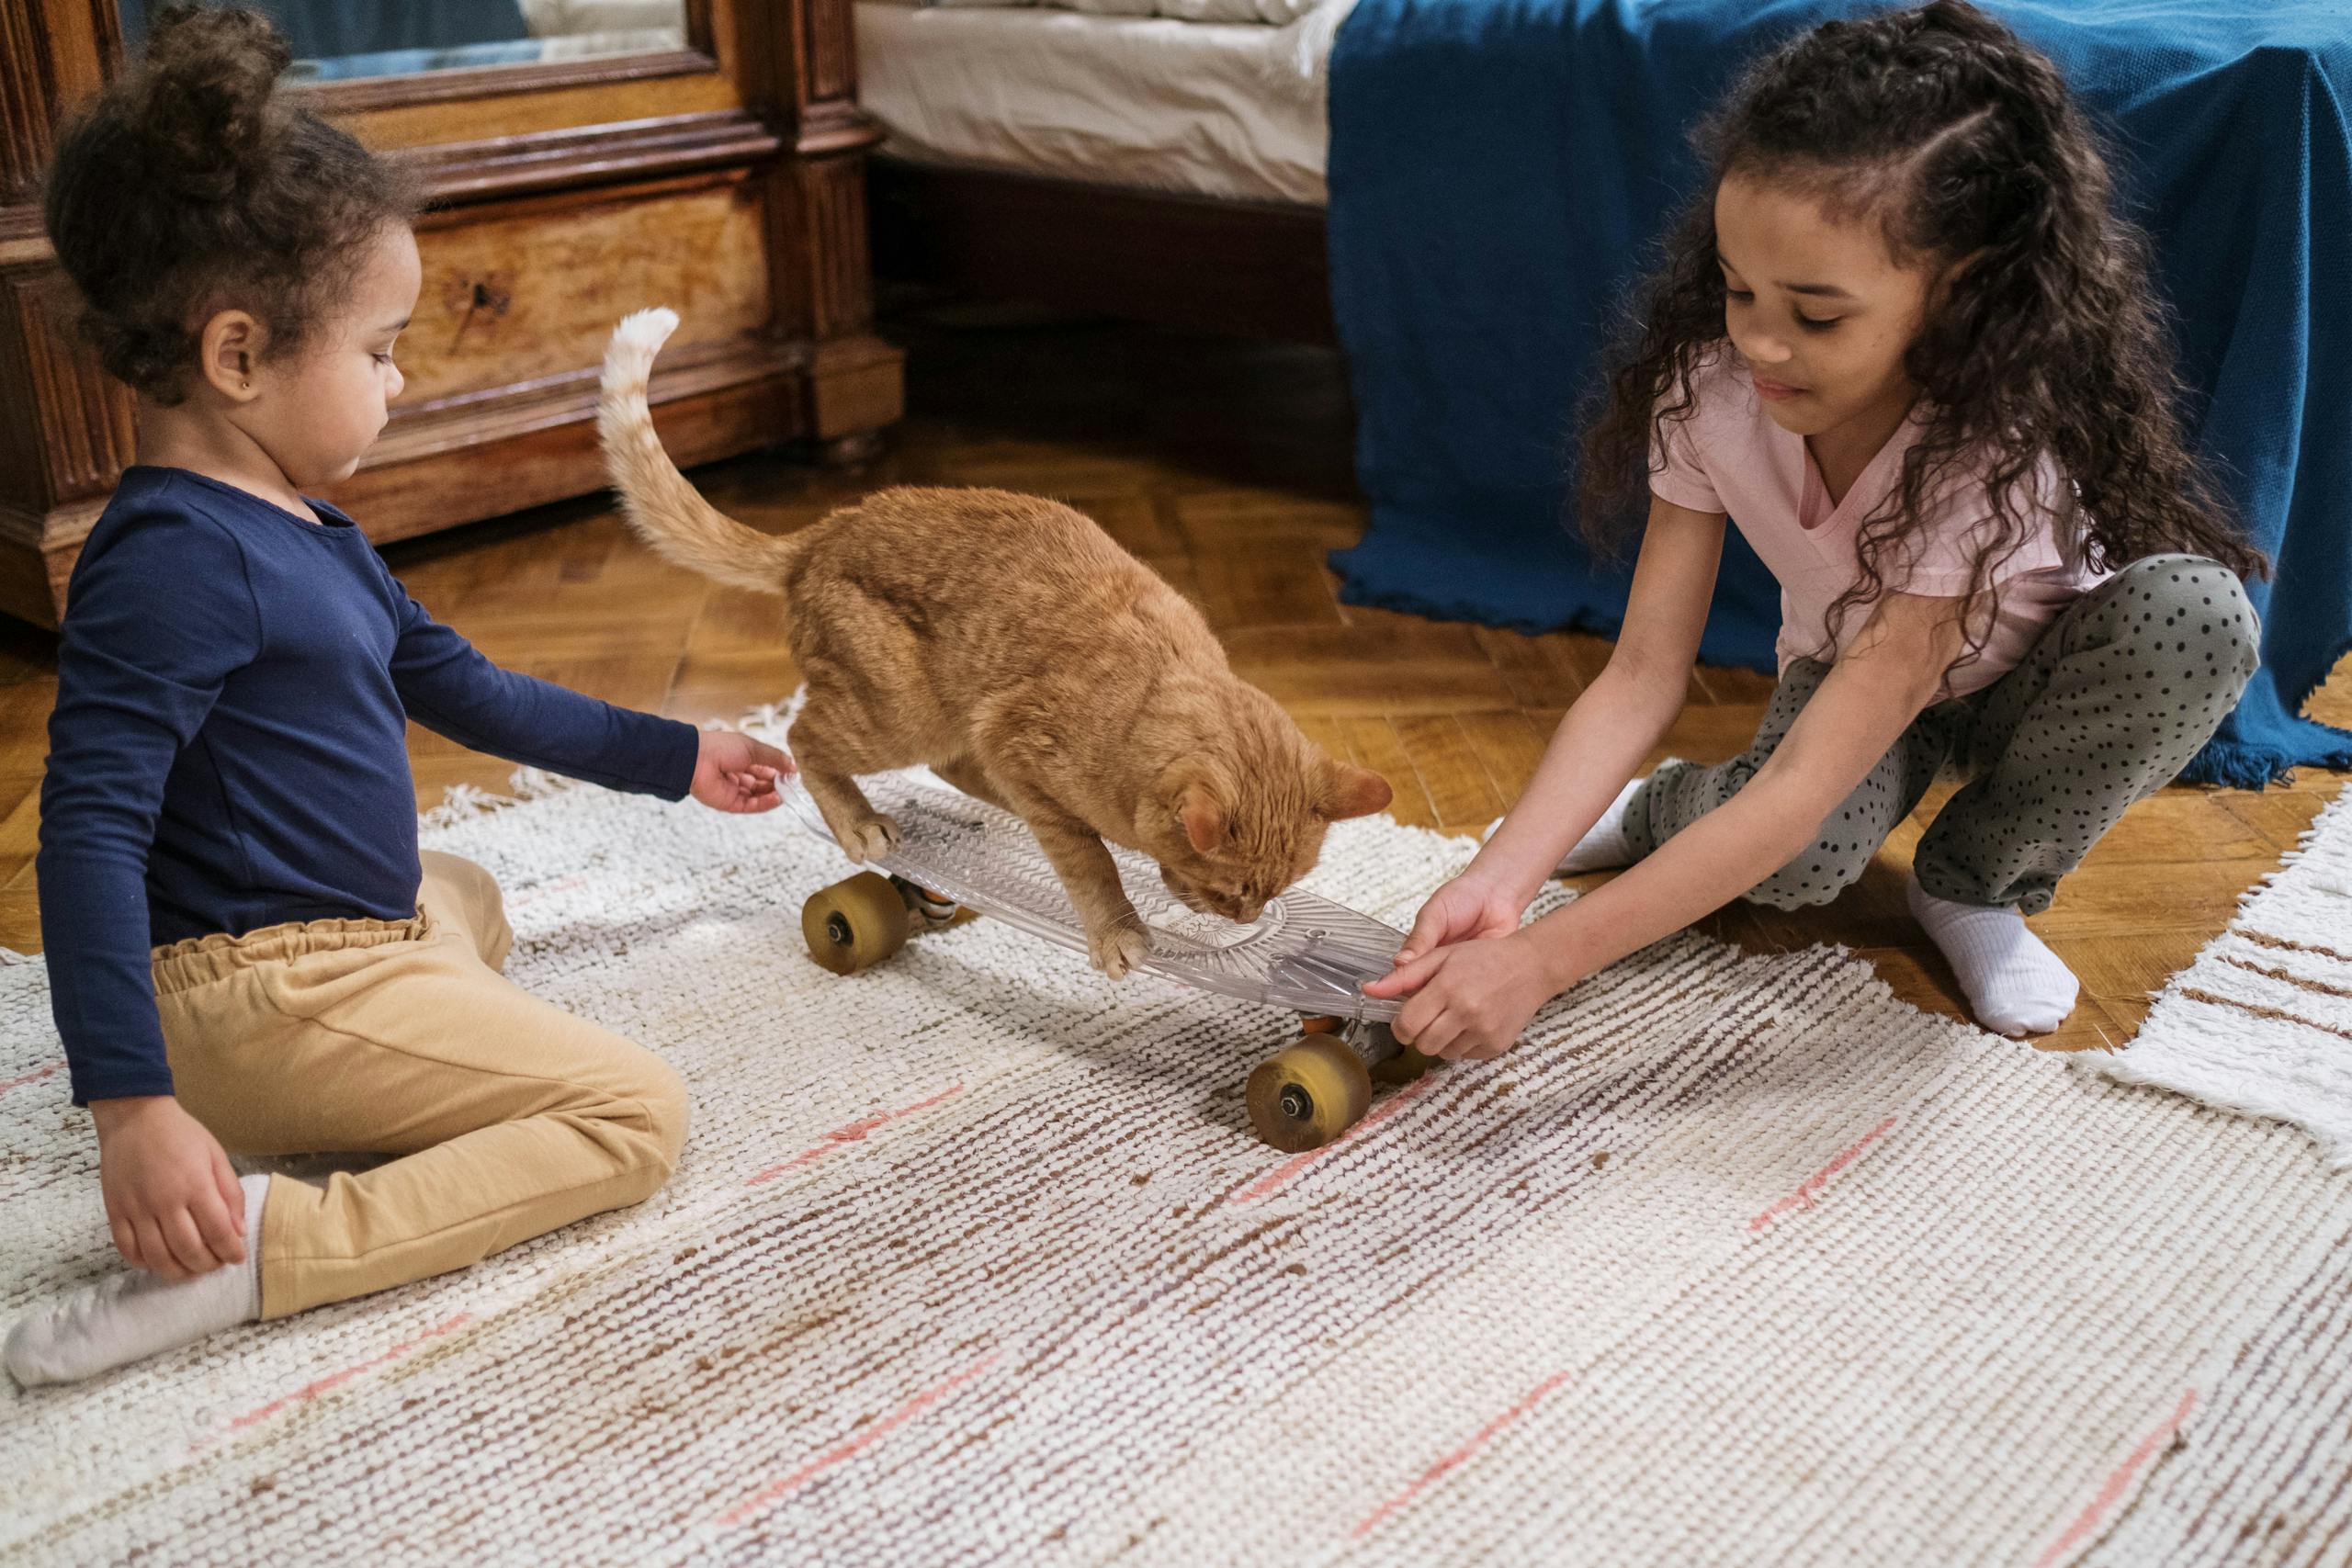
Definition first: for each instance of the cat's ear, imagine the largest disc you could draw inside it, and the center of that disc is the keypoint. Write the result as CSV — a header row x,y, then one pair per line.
x,y
1203,815
1352,792
1188,791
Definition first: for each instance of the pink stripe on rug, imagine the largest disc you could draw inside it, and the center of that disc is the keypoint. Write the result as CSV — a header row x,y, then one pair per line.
x,y
840,1137
2112,1490
1486,1434
850,1448
1807,1190
34,1076
309,1391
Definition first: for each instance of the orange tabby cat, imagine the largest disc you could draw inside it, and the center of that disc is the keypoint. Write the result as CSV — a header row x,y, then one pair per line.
x,y
1010,644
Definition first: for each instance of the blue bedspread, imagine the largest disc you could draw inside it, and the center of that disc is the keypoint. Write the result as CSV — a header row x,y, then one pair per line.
x,y
1498,166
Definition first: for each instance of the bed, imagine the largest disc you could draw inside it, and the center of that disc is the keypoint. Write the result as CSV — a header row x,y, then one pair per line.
x,y
1485,177
1062,156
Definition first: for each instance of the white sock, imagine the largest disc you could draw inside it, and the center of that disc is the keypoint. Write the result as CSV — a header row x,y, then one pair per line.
x,y
1603,847
2015,985
130,1316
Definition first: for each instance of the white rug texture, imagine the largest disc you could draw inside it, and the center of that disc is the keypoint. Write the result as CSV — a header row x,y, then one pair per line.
x,y
2262,1021
973,1259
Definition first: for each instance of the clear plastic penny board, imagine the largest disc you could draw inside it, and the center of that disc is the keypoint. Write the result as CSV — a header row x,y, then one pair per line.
x,y
1304,953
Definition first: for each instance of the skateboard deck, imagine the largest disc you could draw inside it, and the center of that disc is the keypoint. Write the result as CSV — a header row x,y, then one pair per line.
x,y
1305,952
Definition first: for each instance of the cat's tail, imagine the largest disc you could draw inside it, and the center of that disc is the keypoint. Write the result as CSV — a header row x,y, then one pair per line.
x,y
663,509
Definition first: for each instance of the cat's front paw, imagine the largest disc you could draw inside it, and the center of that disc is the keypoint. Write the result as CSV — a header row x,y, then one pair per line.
x,y
871,839
1118,950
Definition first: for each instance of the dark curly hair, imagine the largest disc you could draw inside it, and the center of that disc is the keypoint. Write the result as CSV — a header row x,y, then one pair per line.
x,y
192,185
1965,145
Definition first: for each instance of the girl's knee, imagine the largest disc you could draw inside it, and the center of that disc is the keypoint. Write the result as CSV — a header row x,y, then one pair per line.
x,y
1815,877
2190,608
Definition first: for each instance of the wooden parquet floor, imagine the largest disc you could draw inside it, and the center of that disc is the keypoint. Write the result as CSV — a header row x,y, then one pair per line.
x,y
1226,467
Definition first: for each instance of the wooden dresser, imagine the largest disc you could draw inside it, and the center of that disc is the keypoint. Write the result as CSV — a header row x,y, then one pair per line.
x,y
720,173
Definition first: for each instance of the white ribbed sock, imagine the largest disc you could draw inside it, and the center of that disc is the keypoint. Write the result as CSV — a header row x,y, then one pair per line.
x,y
1603,847
130,1316
2015,985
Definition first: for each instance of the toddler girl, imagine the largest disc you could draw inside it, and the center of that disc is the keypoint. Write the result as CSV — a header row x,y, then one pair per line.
x,y
246,951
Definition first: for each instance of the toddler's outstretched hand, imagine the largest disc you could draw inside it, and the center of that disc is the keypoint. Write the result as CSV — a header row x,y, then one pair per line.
x,y
735,773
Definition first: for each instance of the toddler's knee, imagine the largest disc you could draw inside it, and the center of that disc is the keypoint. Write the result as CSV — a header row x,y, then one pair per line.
x,y
666,1108
645,1122
469,882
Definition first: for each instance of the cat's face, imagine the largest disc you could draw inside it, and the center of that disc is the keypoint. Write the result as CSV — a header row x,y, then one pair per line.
x,y
1229,838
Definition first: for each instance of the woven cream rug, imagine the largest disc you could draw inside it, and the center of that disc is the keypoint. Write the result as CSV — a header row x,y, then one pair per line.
x,y
972,1259
2263,1021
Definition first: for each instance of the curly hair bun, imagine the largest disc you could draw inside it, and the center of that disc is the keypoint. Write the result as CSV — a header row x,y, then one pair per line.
x,y
204,101
192,182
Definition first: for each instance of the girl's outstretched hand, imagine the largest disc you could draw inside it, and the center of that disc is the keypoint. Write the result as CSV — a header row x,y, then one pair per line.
x,y
1466,909
1469,1000
735,773
1470,979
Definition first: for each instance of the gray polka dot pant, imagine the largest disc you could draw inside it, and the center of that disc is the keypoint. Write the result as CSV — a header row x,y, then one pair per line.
x,y
2112,702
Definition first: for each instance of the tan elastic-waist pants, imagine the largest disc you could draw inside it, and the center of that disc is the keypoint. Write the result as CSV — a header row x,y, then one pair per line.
x,y
510,1117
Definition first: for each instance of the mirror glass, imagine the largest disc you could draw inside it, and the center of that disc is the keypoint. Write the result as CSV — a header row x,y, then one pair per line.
x,y
338,41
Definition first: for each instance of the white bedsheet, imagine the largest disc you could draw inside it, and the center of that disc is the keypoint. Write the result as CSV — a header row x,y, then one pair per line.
x,y
1219,109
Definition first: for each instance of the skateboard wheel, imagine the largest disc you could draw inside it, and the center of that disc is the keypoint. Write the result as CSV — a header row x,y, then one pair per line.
x,y
1307,1094
856,924
1320,1025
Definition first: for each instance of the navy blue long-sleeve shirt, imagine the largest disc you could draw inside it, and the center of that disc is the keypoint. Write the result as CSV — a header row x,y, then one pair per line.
x,y
228,747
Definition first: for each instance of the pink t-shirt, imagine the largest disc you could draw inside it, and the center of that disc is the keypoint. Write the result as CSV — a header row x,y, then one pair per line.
x,y
1730,457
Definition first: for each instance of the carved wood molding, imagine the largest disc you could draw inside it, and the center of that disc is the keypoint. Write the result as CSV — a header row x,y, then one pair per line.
x,y
830,129
633,150
27,100
87,415
52,52
833,246
828,53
